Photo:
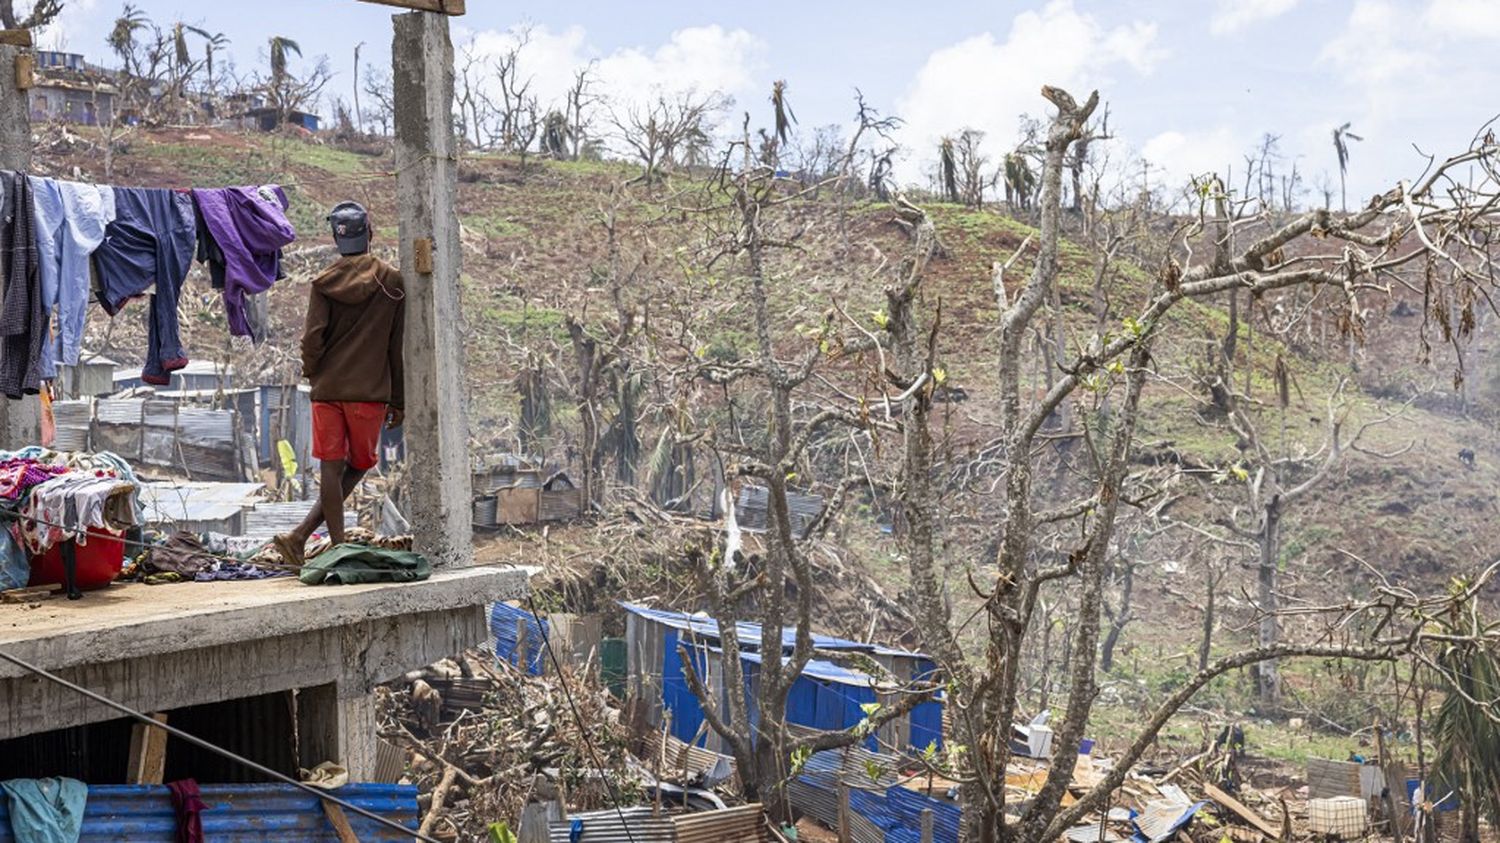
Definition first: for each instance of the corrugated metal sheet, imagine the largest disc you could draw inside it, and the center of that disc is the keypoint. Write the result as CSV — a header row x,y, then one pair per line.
x,y
744,824
881,810
752,510
237,814
199,506
749,633
505,624
120,410
485,511
679,757
269,519
559,504
611,827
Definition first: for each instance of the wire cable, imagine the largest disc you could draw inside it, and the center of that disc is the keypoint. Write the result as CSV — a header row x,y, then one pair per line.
x,y
583,730
203,744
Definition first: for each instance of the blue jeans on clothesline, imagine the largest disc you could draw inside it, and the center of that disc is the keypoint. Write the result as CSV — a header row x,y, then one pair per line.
x,y
149,248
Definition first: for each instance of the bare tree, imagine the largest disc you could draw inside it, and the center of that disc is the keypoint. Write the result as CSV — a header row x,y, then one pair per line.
x,y
1272,482
42,13
748,228
580,103
665,131
1341,138
378,88
359,117
984,693
467,94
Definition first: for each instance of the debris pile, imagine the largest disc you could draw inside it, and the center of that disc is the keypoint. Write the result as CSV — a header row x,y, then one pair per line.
x,y
482,740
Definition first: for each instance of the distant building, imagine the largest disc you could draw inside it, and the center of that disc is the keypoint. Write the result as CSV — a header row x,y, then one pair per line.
x,y
264,118
70,89
93,376
195,376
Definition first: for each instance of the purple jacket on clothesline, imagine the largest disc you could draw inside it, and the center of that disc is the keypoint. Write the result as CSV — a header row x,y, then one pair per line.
x,y
250,226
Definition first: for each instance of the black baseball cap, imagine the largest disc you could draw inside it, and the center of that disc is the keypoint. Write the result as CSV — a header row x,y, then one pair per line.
x,y
351,228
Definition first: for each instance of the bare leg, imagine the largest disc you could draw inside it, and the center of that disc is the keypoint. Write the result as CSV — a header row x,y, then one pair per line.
x,y
338,480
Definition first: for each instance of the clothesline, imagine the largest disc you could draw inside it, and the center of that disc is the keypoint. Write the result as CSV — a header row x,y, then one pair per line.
x,y
68,243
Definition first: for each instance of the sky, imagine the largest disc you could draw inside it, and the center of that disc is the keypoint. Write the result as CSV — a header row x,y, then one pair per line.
x,y
1191,85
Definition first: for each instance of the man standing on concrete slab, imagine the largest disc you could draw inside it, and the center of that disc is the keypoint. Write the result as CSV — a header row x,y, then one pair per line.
x,y
352,355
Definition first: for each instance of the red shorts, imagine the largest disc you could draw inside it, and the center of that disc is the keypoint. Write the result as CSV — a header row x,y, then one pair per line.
x,y
348,431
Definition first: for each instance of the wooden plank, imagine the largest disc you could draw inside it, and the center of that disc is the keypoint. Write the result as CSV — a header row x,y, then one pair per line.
x,y
25,72
422,249
447,7
148,753
844,834
1243,812
26,595
339,822
15,37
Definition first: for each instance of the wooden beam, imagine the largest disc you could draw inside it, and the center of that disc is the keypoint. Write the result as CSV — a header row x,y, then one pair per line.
x,y
340,822
447,7
1239,808
148,753
22,37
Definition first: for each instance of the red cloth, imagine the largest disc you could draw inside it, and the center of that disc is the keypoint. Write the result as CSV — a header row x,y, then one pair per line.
x,y
188,806
348,431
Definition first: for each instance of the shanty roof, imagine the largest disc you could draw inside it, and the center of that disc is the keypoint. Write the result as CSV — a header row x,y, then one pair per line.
x,y
193,368
752,511
824,670
196,501
749,633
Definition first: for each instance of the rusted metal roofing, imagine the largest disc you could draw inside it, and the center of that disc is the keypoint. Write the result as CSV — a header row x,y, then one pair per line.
x,y
752,511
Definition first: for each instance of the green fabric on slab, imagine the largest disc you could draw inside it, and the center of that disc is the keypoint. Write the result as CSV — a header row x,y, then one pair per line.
x,y
357,564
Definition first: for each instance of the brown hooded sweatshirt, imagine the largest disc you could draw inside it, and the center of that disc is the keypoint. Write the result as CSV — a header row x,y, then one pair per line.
x,y
352,344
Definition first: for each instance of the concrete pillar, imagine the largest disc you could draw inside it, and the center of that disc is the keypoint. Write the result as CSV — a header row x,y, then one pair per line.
x,y
337,724
437,426
20,421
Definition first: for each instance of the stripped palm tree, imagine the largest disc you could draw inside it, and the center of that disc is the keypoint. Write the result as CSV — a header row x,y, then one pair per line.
x,y
557,135
1020,181
1341,138
783,109
280,46
948,169
211,44
121,37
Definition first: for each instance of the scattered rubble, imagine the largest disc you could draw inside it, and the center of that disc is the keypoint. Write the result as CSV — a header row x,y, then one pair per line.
x,y
482,740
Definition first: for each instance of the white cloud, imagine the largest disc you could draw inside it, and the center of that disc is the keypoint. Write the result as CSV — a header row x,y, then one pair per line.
x,y
1389,61
703,58
1464,18
1235,15
1182,155
1375,45
54,36
987,84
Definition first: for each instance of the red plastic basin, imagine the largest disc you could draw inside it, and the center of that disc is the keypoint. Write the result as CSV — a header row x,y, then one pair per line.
x,y
99,562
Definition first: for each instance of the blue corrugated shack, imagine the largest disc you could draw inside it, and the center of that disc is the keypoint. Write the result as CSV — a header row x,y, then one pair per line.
x,y
520,639
237,812
827,696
